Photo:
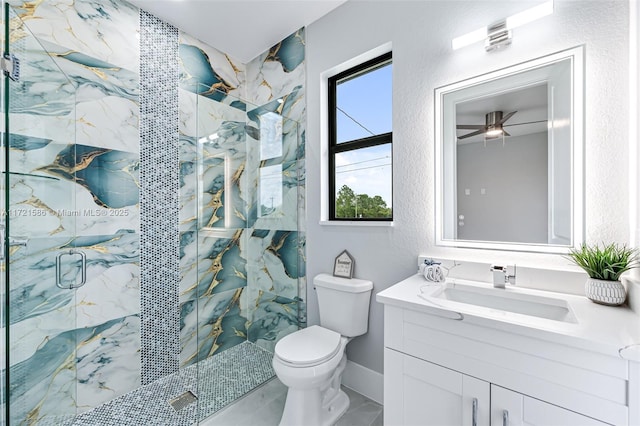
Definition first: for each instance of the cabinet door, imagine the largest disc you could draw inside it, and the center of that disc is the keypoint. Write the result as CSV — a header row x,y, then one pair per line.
x,y
417,392
509,408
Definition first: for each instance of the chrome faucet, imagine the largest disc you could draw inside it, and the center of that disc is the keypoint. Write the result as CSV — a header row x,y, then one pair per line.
x,y
501,276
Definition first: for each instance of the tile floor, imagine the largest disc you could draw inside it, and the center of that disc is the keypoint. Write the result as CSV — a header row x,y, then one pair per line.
x,y
228,375
263,407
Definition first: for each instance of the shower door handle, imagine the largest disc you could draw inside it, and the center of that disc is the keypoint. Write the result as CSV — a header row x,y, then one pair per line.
x,y
18,241
83,269
13,241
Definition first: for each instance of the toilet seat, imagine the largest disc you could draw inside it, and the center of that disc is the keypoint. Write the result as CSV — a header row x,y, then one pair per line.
x,y
309,346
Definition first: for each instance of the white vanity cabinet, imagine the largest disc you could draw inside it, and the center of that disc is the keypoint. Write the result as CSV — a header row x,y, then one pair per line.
x,y
423,393
513,408
443,368
418,392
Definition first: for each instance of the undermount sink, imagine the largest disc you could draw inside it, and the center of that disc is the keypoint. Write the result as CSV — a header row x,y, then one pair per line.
x,y
507,300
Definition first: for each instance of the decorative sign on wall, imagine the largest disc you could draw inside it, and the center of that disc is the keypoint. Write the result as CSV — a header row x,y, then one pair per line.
x,y
344,265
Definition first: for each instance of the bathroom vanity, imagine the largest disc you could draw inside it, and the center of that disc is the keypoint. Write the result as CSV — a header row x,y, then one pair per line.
x,y
465,353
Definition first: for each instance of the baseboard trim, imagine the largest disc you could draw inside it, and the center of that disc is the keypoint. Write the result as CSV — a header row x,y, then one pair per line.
x,y
364,381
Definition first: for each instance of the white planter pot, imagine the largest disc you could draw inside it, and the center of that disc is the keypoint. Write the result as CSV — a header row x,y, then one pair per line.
x,y
605,292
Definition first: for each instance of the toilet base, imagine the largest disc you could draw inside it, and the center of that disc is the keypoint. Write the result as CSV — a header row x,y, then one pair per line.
x,y
337,408
314,414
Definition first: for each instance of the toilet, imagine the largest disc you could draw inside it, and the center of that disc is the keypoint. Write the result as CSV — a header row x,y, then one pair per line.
x,y
310,361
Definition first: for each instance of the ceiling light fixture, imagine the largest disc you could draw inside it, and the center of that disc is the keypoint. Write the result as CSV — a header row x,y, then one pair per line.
x,y
494,132
498,34
492,127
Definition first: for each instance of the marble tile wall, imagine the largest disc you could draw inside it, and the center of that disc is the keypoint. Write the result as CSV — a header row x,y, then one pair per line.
x,y
276,82
241,252
213,201
209,72
187,253
74,155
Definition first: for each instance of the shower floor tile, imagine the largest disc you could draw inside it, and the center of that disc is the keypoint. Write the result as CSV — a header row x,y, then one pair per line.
x,y
216,381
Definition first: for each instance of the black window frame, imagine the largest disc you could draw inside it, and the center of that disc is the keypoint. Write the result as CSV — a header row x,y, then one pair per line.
x,y
370,141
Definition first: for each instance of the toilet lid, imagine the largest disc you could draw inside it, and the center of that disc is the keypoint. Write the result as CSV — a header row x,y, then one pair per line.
x,y
308,346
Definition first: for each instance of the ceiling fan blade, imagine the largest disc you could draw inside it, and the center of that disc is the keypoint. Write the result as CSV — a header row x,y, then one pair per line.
x,y
506,117
468,135
526,122
470,126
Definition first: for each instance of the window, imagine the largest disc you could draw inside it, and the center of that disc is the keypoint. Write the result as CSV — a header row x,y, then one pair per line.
x,y
360,138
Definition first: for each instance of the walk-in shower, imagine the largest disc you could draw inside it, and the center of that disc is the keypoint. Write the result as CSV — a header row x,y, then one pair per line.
x,y
151,210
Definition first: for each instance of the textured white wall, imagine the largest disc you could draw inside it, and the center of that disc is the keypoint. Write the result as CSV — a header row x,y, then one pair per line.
x,y
421,33
634,142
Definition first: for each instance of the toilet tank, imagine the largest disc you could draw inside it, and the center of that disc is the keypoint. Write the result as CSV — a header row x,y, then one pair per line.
x,y
343,304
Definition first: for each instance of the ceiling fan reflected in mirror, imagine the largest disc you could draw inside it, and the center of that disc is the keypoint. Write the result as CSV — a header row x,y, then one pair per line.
x,y
494,126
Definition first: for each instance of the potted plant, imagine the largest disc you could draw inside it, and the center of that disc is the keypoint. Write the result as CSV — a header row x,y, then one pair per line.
x,y
604,265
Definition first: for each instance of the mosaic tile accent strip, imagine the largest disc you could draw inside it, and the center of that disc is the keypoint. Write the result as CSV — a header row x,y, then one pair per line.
x,y
216,381
159,198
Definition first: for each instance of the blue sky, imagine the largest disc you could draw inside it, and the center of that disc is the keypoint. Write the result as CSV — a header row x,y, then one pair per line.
x,y
364,109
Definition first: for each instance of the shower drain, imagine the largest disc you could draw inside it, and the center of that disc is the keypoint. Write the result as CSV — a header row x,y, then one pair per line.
x,y
183,400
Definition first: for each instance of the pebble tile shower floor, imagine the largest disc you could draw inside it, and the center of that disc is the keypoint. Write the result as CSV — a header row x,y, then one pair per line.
x,y
216,381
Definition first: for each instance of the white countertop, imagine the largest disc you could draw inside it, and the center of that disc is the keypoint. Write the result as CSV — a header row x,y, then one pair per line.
x,y
612,330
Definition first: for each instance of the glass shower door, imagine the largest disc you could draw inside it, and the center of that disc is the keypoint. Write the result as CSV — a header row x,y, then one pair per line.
x,y
42,266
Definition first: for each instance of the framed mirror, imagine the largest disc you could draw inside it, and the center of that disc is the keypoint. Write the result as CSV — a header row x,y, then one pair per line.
x,y
509,157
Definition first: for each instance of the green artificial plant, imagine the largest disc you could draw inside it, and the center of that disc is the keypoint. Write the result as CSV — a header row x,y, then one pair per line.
x,y
606,263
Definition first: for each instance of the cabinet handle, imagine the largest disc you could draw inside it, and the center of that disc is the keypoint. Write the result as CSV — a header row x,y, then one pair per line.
x,y
505,418
474,412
